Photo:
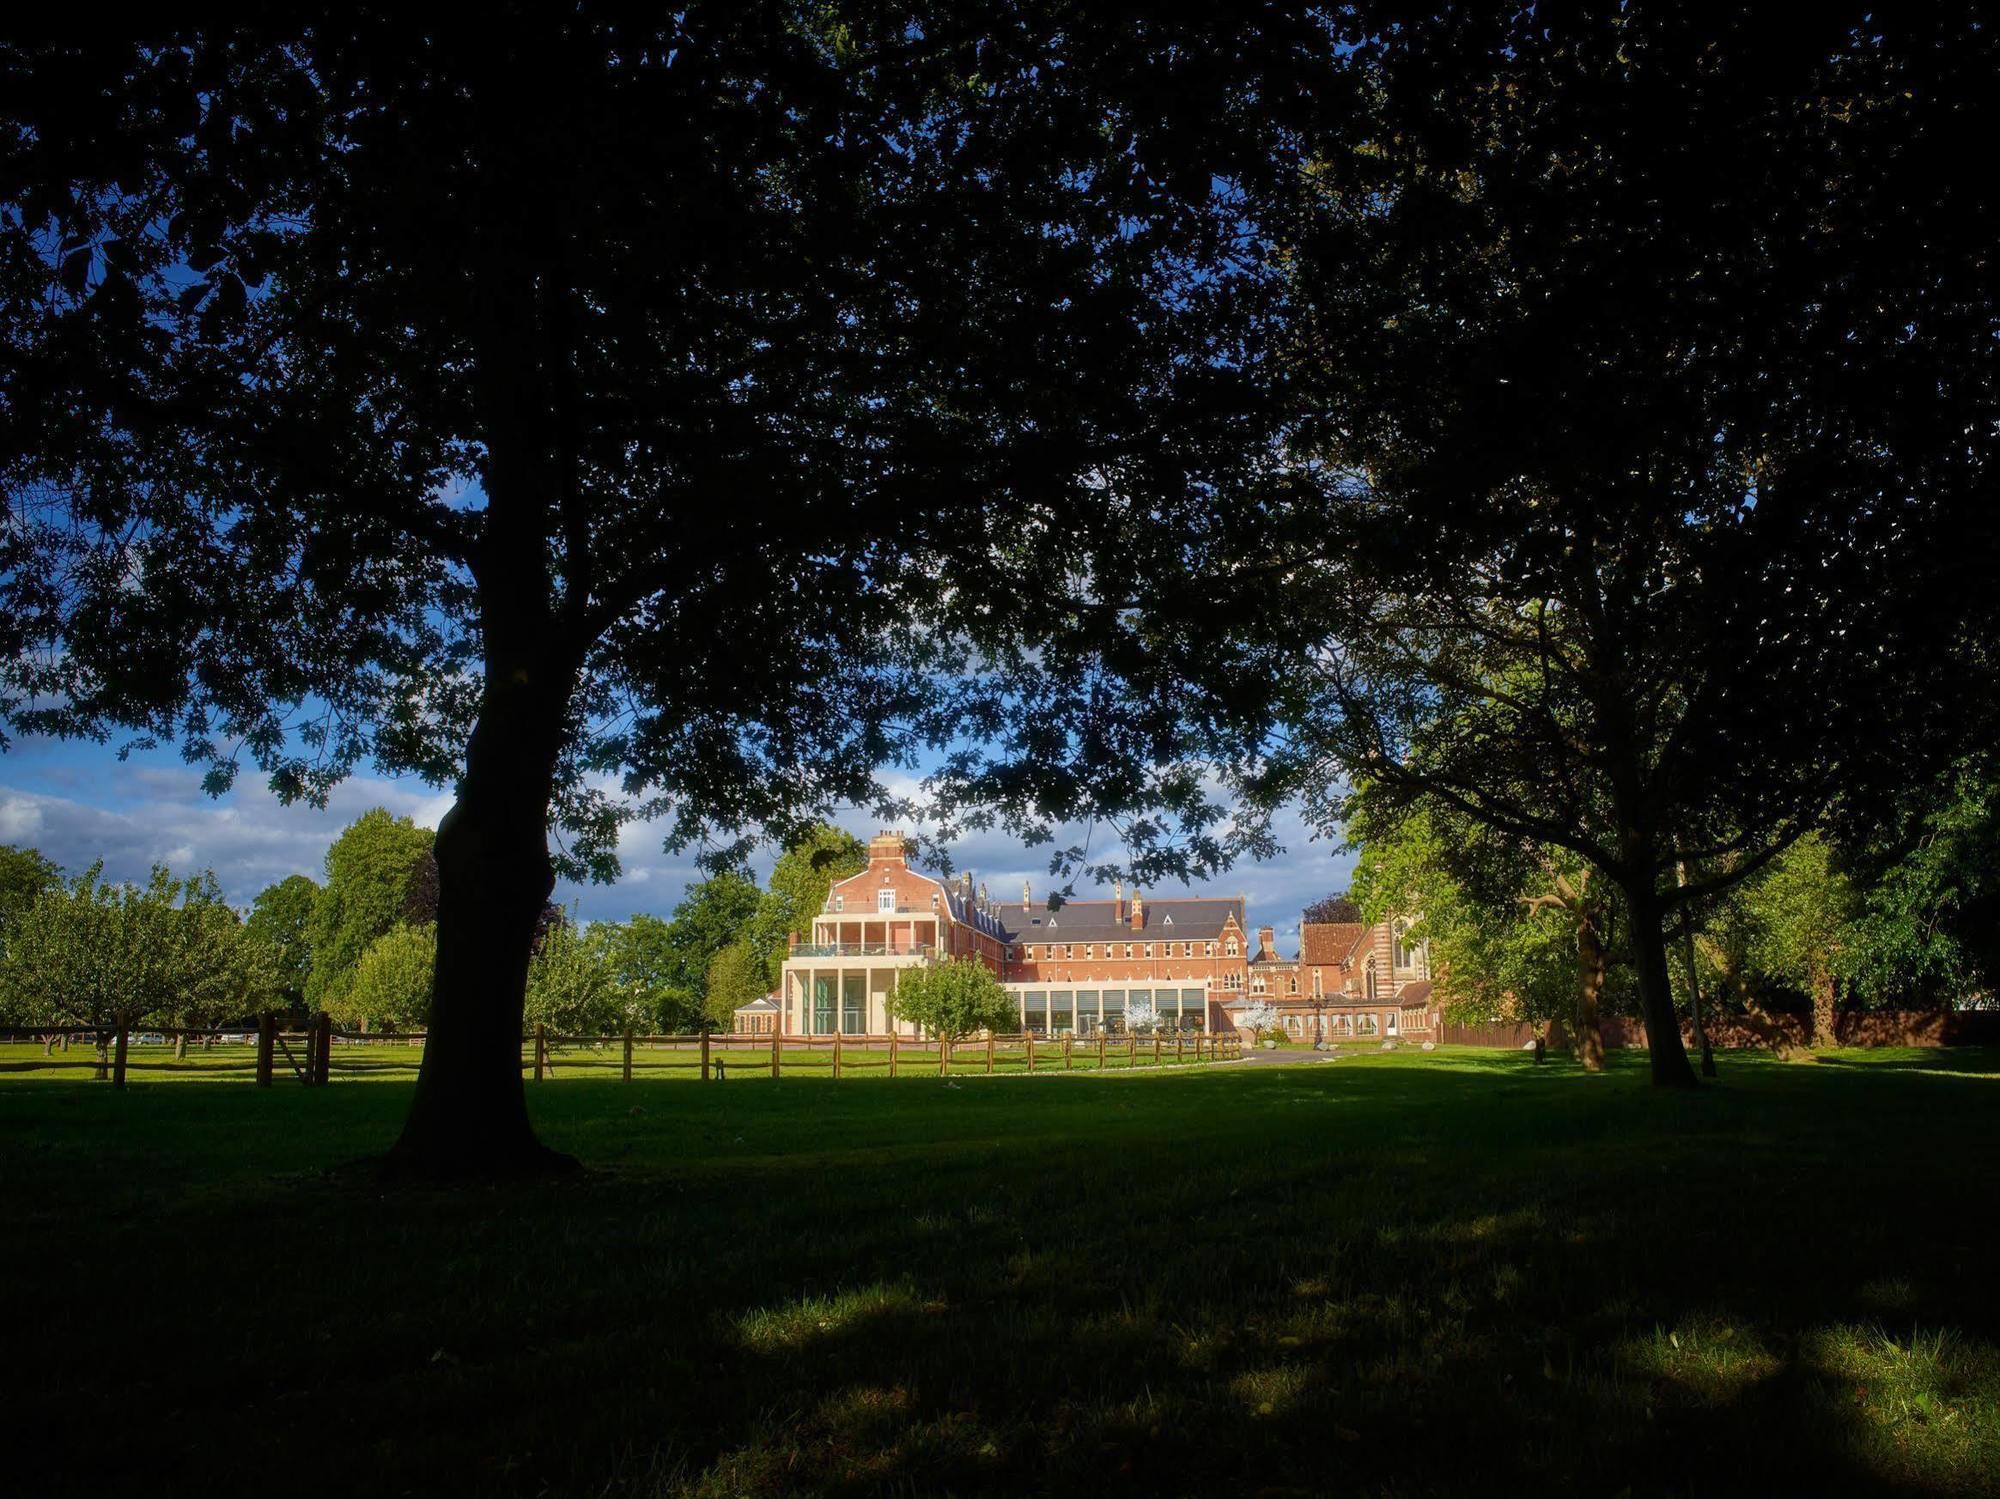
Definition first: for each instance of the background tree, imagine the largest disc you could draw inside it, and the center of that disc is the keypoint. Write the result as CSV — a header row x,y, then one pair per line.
x,y
800,880
573,991
714,914
1332,910
25,875
645,966
370,870
734,978
953,1000
1258,1017
688,397
392,983
281,921
1516,932
198,954
1803,916
107,956
1608,442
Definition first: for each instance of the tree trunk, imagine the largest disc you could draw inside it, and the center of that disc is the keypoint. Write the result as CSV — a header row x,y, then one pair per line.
x,y
1666,1055
180,1046
1826,1020
469,1117
1755,1015
1589,1039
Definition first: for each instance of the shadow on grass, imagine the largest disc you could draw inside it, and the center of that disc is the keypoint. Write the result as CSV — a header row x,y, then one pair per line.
x,y
1394,1275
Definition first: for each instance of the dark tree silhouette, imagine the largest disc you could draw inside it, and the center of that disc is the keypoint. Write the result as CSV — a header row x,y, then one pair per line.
x,y
1648,368
718,402
1332,909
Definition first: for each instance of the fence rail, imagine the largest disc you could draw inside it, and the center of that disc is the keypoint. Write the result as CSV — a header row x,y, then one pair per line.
x,y
316,1053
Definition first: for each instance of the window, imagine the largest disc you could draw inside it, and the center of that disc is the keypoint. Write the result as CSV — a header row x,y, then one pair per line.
x,y
885,900
1257,984
1406,954
934,900
1292,984
1230,947
1149,949
1208,949
1389,1022
840,903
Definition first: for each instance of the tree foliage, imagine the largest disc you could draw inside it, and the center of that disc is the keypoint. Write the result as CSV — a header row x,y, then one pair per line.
x,y
92,953
646,969
734,978
281,919
370,869
390,988
724,402
808,868
573,991
1618,470
1332,910
953,1000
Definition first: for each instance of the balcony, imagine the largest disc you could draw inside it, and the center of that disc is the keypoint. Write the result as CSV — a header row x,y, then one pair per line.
x,y
862,950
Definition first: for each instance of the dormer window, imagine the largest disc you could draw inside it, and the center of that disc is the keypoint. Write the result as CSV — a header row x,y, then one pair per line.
x,y
1166,921
840,903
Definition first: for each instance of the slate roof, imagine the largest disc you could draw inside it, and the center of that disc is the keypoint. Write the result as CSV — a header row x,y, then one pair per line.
x,y
1170,920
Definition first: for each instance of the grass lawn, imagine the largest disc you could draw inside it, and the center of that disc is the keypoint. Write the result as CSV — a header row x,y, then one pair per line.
x,y
1399,1274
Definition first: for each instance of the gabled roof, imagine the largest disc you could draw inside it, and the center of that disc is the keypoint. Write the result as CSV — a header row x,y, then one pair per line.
x,y
1327,942
768,1002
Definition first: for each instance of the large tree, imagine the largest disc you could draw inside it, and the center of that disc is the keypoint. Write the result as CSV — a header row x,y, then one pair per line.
x,y
1642,477
692,401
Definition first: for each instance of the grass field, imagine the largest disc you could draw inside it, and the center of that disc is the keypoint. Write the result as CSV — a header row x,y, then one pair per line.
x,y
1398,1274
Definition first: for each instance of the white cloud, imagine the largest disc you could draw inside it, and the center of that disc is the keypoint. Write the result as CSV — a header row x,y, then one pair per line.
x,y
81,805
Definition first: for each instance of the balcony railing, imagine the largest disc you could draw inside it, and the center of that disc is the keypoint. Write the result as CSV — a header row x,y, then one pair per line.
x,y
863,950
863,912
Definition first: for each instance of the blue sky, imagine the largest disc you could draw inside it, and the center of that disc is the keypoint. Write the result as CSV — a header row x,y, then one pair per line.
x,y
79,802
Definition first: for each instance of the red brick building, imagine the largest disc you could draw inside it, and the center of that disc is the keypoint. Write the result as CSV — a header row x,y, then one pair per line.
x,y
1082,968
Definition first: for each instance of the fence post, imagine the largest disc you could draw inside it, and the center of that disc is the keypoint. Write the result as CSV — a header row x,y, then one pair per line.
x,y
538,1050
323,1072
705,1074
1031,1051
989,1053
1131,1051
1100,1051
118,1060
836,1053
267,1030
777,1038
1156,1048
628,1054
1068,1046
892,1050
103,1072
1180,1046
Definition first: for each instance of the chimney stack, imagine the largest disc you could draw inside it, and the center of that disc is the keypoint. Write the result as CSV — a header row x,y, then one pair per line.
x,y
1117,900
1027,897
1267,942
888,847
1138,911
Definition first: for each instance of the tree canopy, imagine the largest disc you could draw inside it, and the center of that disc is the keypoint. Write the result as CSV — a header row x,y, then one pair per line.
x,y
281,919
716,405
1643,442
809,867
371,869
953,1000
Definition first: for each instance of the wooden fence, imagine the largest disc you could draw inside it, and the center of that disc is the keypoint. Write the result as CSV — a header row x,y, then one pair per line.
x,y
1852,1027
316,1053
